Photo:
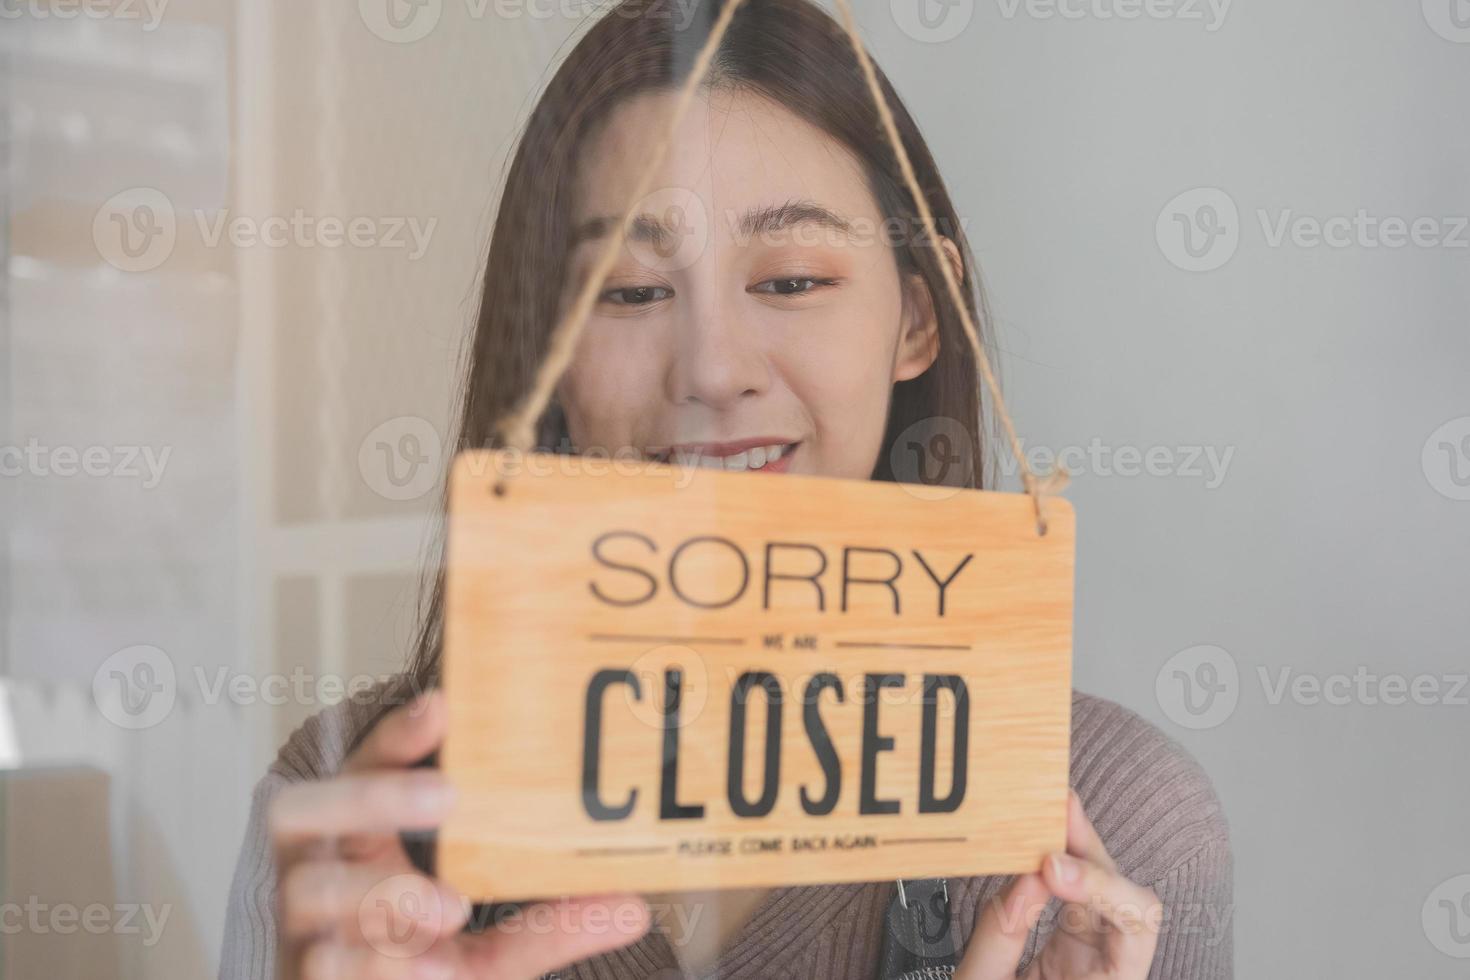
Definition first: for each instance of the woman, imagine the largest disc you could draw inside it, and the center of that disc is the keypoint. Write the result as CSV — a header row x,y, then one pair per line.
x,y
776,308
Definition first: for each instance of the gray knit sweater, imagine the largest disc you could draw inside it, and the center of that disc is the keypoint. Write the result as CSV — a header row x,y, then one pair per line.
x,y
1153,806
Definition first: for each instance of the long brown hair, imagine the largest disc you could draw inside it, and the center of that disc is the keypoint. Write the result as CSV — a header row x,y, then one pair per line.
x,y
789,51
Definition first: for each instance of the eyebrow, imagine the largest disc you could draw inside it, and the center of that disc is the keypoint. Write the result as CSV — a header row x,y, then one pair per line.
x,y
659,229
761,221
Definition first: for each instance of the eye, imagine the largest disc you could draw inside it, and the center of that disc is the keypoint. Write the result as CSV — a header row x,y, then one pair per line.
x,y
636,295
791,286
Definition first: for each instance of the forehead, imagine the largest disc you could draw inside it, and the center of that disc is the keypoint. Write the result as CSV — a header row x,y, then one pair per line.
x,y
734,150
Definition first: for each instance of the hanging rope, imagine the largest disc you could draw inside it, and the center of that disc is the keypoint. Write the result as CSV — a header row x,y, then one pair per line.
x,y
1029,480
518,430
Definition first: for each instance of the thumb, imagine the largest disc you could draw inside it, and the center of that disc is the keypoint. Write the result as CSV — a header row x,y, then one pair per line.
x,y
999,938
550,935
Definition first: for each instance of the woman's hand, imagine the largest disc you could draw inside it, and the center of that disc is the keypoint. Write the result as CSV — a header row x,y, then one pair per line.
x,y
353,905
1108,926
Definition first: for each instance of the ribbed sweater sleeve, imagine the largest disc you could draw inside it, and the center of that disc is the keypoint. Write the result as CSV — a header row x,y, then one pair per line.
x,y
314,751
250,922
1198,928
1159,818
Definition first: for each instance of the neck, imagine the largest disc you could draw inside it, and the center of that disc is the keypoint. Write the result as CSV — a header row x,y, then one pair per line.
x,y
701,925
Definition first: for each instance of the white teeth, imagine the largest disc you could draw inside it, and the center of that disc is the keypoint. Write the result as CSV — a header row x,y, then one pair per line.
x,y
756,458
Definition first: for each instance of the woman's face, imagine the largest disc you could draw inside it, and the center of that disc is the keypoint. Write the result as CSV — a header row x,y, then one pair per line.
x,y
755,318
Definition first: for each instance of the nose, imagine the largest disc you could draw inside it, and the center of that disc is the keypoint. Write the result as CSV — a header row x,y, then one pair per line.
x,y
716,362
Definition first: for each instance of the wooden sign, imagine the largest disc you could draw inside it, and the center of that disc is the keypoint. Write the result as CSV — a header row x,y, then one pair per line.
x,y
674,678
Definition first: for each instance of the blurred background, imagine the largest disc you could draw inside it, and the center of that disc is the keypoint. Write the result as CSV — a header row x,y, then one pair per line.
x,y
1226,244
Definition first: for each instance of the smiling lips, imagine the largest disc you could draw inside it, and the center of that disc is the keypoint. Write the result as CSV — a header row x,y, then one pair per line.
x,y
756,455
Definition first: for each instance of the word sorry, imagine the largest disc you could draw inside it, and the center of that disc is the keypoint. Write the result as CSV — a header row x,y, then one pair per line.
x,y
782,561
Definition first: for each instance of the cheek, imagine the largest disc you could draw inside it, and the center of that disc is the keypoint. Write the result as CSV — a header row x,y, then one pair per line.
x,y
848,399
606,390
842,375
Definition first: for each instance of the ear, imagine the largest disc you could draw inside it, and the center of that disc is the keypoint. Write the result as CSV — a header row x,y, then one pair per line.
x,y
918,343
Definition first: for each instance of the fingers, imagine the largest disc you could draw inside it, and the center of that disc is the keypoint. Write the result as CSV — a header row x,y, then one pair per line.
x,y
1121,901
550,935
371,904
1082,837
373,916
1126,915
343,919
996,945
1116,920
382,802
536,941
403,736
330,961
542,938
376,797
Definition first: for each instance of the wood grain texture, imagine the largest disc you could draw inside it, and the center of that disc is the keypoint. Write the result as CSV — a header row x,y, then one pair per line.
x,y
587,568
